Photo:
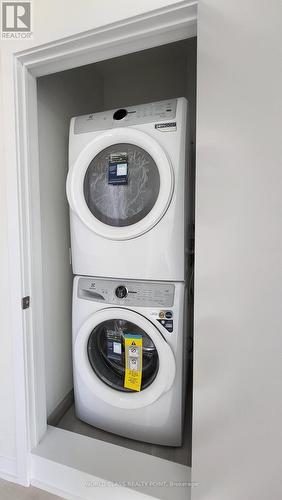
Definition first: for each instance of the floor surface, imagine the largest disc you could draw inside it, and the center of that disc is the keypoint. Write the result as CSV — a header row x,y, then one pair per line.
x,y
181,455
11,491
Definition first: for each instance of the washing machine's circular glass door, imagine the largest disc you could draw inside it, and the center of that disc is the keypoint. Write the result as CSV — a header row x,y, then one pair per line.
x,y
99,357
106,353
121,184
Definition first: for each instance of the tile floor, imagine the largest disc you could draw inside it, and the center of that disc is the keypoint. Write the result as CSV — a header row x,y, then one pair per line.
x,y
11,491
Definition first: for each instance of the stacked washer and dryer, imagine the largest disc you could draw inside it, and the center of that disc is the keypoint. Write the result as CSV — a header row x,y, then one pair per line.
x,y
128,187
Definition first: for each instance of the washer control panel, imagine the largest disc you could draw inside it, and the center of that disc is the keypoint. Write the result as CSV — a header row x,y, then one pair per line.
x,y
124,117
127,293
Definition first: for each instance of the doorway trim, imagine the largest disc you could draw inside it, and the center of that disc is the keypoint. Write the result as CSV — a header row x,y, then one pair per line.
x,y
154,28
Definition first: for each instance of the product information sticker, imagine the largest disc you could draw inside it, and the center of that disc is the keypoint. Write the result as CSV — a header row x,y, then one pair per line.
x,y
118,169
133,361
114,345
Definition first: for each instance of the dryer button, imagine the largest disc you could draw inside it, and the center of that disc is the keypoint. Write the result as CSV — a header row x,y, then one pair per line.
x,y
121,292
119,114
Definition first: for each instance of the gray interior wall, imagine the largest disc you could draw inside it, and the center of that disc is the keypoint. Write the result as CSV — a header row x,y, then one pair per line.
x,y
155,74
60,96
160,73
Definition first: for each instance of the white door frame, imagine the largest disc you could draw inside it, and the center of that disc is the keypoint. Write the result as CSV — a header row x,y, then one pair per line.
x,y
158,27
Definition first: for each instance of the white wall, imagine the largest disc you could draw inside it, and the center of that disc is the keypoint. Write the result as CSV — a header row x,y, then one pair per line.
x,y
238,342
7,421
52,20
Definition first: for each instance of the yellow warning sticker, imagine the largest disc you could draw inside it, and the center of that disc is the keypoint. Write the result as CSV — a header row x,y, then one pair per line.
x,y
133,361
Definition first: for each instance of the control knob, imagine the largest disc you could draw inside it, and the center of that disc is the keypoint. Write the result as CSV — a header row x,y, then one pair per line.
x,y
121,292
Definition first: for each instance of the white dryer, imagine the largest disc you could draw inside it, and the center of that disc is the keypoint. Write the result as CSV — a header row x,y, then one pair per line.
x,y
127,191
104,311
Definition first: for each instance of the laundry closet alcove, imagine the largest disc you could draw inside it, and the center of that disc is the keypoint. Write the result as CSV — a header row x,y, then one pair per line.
x,y
159,65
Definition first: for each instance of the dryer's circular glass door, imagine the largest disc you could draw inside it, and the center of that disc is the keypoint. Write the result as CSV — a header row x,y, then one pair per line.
x,y
99,358
106,353
121,184
131,193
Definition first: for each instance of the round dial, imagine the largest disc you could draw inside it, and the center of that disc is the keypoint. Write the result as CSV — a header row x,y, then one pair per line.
x,y
120,114
121,292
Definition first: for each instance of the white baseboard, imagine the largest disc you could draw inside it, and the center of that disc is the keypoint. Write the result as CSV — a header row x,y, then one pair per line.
x,y
54,490
8,469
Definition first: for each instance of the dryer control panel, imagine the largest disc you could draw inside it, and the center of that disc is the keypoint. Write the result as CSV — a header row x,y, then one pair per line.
x,y
127,293
124,117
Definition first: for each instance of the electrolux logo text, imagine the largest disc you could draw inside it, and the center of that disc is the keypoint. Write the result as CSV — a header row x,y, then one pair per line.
x,y
16,20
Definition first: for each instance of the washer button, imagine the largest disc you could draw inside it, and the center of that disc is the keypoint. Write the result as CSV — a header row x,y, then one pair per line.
x,y
168,314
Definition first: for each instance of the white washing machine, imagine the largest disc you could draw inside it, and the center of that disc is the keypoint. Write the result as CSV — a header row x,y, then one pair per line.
x,y
127,189
104,312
